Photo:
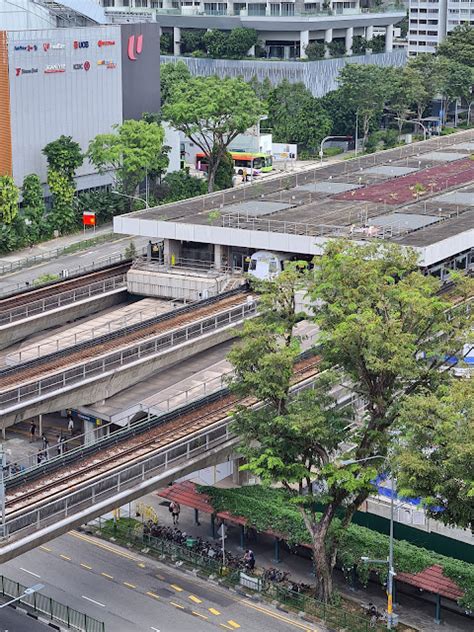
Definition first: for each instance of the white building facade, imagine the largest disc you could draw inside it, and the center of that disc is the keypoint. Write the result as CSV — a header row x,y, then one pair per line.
x,y
430,21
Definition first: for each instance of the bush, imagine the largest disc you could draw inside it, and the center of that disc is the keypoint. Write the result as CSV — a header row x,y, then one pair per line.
x,y
315,50
332,151
192,40
104,203
240,41
225,173
180,185
166,44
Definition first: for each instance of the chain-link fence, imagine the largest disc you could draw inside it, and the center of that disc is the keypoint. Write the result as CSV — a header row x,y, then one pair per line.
x,y
334,616
52,609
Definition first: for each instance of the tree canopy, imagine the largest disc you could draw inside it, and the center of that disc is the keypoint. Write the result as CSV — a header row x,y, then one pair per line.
x,y
212,112
64,156
384,325
9,196
132,150
458,45
170,75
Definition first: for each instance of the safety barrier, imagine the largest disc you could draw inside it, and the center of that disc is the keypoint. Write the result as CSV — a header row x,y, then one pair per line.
x,y
62,299
96,367
52,609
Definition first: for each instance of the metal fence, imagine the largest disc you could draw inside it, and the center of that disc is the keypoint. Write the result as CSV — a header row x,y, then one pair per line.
x,y
63,298
335,616
52,609
96,367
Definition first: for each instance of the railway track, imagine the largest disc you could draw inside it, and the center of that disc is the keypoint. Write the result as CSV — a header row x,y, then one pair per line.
x,y
131,451
39,294
44,366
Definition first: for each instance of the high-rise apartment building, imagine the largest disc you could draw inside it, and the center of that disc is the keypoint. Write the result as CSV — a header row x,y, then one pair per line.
x,y
431,20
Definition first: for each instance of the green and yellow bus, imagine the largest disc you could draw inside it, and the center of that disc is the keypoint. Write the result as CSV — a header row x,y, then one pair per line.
x,y
257,162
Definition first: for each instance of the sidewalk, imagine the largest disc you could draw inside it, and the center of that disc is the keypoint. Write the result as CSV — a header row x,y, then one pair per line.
x,y
413,613
54,244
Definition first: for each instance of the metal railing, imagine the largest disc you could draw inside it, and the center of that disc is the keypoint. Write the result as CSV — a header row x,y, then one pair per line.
x,y
62,299
52,609
94,368
65,342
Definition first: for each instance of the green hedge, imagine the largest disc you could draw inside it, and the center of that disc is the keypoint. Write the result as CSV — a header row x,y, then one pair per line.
x,y
272,509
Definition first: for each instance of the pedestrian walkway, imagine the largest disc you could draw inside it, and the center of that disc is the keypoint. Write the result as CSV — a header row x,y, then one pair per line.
x,y
413,612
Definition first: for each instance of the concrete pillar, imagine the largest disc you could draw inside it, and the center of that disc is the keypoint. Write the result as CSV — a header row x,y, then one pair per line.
x,y
40,425
237,475
176,40
349,40
218,252
286,52
172,251
327,40
304,41
389,38
369,33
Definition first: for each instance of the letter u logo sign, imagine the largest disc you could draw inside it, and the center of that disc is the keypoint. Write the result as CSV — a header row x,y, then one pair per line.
x,y
134,49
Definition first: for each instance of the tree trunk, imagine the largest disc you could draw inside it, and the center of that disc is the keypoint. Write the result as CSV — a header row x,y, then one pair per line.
x,y
322,567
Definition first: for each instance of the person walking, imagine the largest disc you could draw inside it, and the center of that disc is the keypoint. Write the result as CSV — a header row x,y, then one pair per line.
x,y
59,445
175,510
70,425
32,431
63,445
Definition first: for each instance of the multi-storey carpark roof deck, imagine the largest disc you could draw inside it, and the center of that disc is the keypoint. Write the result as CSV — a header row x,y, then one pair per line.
x,y
421,195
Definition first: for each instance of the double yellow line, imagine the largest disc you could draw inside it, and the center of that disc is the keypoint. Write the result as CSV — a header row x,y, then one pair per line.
x,y
104,545
280,617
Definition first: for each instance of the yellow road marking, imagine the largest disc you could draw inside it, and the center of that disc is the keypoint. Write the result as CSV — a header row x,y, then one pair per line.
x,y
274,615
45,548
152,594
177,588
233,624
107,575
129,585
103,545
214,611
223,625
141,565
198,614
89,568
176,605
65,557
195,599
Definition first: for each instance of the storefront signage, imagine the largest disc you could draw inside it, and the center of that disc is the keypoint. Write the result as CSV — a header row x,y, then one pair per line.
x,y
101,43
26,47
25,71
106,63
85,66
54,68
134,47
77,44
47,46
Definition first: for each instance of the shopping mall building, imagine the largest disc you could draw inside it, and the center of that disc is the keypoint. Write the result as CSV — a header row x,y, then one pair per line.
x,y
73,81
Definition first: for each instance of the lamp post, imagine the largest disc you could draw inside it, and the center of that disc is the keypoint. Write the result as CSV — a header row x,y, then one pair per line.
x,y
3,464
389,561
132,197
28,591
321,153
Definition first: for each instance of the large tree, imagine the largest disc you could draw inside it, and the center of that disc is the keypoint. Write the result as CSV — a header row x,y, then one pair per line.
x,y
131,151
436,458
295,116
459,45
367,89
64,156
424,66
170,75
212,112
455,81
385,328
407,90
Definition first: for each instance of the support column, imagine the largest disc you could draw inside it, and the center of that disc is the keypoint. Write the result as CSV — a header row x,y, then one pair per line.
x,y
389,38
176,40
172,251
327,40
40,425
438,610
218,252
349,40
286,52
369,33
304,41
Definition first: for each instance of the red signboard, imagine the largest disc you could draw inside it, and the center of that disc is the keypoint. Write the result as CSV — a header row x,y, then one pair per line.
x,y
88,218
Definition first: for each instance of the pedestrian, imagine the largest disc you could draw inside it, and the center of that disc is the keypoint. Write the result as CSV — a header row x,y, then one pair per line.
x,y
249,559
39,457
175,510
44,441
59,445
244,175
70,425
63,445
32,431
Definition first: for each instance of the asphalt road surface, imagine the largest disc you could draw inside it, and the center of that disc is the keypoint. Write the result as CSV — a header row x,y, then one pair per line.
x,y
132,593
13,621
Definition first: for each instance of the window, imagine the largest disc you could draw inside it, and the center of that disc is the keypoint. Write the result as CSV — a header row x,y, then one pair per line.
x,y
287,8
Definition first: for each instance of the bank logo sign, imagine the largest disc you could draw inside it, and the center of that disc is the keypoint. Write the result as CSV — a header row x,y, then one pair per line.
x,y
26,47
101,43
25,71
48,46
134,47
85,66
107,63
77,44
55,68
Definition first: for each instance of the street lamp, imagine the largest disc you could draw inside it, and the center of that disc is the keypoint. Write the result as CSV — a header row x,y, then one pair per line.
x,y
321,153
28,591
3,466
132,197
391,570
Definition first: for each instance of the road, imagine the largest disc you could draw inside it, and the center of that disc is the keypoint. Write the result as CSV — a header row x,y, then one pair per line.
x,y
13,621
132,593
99,252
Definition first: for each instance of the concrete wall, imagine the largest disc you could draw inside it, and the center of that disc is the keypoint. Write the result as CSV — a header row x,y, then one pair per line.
x,y
319,77
60,316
